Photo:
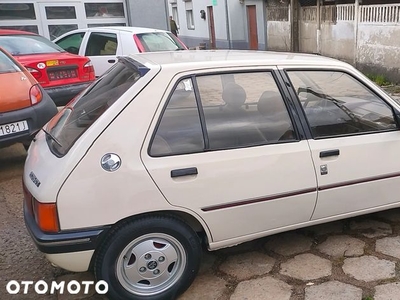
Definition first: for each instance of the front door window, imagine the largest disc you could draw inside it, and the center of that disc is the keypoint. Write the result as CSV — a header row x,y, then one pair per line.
x,y
336,104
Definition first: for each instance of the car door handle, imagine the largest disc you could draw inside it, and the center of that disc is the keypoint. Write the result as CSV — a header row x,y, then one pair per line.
x,y
184,172
327,153
111,61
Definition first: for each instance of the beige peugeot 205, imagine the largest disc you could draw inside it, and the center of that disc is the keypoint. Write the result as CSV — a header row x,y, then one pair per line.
x,y
169,151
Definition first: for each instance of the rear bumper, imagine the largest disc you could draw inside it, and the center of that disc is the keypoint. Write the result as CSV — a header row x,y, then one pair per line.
x,y
62,94
36,116
61,242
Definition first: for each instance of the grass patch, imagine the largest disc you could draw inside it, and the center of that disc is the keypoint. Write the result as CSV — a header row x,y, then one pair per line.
x,y
368,298
379,79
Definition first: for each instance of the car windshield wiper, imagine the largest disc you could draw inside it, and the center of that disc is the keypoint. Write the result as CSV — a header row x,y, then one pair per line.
x,y
52,137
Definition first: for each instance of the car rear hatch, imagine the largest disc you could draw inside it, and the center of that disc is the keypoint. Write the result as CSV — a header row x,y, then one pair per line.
x,y
158,41
58,69
17,97
78,125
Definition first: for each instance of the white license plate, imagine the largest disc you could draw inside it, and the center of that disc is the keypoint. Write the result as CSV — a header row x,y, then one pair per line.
x,y
10,128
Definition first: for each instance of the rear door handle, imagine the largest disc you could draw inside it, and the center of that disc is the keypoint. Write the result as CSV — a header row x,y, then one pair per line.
x,y
184,172
327,153
111,61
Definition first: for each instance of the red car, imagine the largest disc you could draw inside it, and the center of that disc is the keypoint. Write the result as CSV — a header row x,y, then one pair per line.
x,y
63,75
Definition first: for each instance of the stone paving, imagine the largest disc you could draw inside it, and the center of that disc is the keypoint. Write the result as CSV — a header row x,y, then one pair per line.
x,y
357,259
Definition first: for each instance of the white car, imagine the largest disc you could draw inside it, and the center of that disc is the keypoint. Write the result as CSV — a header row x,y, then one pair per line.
x,y
168,151
103,44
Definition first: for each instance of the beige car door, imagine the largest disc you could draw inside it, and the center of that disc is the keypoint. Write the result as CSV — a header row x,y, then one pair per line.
x,y
225,147
355,142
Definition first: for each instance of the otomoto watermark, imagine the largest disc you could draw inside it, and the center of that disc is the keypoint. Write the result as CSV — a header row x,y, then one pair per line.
x,y
41,287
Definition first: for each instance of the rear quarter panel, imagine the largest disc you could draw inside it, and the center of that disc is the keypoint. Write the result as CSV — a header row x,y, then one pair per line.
x,y
93,197
128,43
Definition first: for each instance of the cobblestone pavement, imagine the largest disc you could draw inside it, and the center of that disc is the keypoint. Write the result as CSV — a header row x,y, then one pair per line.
x,y
358,258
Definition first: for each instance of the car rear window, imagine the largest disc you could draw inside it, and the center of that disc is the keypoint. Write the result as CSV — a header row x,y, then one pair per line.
x,y
28,44
7,65
159,41
79,115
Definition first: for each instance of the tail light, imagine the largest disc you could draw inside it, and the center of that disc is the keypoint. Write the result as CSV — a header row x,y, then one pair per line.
x,y
35,73
138,43
45,214
88,67
35,94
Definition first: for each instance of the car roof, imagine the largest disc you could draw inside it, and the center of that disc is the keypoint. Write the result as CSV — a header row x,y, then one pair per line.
x,y
14,32
125,28
193,59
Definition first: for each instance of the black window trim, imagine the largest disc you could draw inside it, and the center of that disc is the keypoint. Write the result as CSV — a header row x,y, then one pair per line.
x,y
292,111
303,115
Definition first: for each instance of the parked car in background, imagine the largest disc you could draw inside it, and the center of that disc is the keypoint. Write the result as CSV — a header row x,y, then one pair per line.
x,y
103,44
169,150
24,106
63,75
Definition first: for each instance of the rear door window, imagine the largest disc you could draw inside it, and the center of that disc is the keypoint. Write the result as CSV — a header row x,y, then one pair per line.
x,y
102,43
231,111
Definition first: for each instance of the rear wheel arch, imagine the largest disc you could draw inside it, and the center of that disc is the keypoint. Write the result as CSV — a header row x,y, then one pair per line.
x,y
201,230
159,228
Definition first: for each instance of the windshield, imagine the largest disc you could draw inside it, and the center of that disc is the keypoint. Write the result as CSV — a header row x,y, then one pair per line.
x,y
28,44
160,41
7,65
77,117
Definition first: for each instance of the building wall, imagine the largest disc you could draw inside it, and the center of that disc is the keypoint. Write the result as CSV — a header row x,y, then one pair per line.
x,y
278,34
337,40
378,49
371,43
54,18
230,21
148,13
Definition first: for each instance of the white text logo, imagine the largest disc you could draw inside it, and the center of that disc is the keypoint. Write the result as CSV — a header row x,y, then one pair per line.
x,y
41,287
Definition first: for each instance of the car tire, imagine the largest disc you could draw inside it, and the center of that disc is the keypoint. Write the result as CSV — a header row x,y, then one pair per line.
x,y
150,258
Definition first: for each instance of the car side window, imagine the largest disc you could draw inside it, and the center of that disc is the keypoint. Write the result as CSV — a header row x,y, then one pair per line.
x,y
240,110
71,43
244,109
337,104
101,43
179,131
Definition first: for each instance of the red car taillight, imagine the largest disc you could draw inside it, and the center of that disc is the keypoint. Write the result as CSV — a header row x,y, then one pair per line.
x,y
35,94
35,73
88,67
138,43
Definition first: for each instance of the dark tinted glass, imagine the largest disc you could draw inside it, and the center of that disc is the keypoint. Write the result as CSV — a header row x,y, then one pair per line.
x,y
60,12
244,109
17,11
179,131
75,120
